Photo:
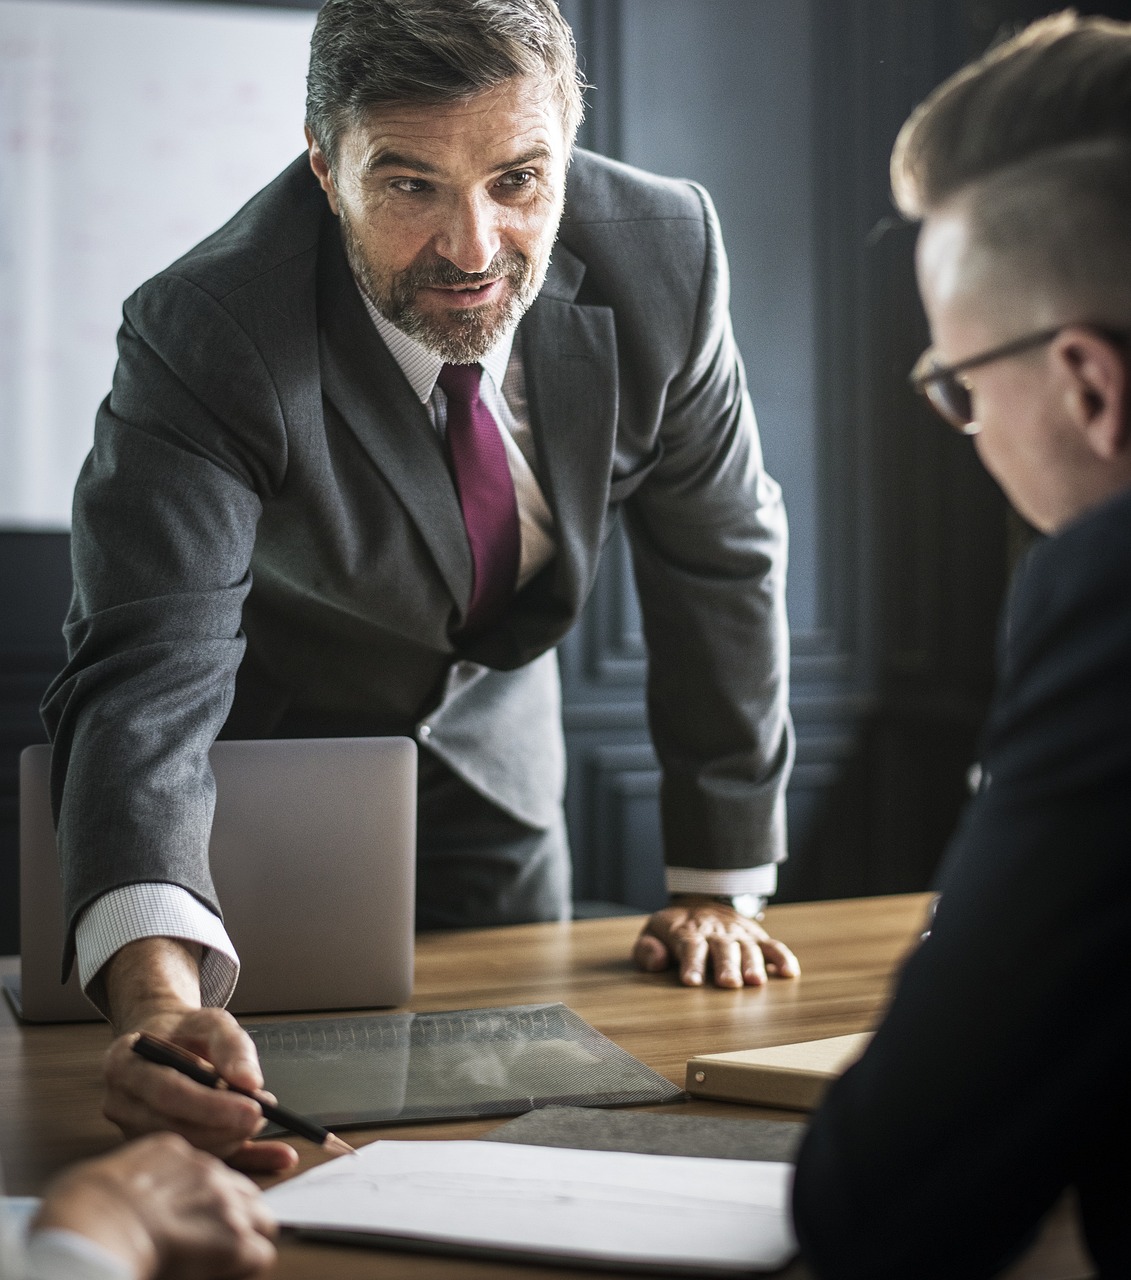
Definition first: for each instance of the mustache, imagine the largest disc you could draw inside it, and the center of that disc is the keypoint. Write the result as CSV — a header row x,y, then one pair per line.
x,y
507,263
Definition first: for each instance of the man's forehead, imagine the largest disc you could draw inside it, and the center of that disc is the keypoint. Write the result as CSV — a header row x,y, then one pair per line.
x,y
515,117
941,253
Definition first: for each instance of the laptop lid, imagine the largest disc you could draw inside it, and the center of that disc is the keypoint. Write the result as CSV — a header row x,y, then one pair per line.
x,y
313,855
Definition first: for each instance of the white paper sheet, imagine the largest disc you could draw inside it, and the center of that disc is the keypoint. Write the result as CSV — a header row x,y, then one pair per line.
x,y
724,1215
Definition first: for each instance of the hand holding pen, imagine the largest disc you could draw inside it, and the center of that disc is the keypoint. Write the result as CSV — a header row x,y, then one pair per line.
x,y
164,1053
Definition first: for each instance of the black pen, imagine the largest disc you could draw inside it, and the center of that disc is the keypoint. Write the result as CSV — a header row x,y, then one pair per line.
x,y
165,1054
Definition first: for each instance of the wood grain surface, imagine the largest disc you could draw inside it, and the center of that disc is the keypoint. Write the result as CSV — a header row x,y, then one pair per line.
x,y
849,951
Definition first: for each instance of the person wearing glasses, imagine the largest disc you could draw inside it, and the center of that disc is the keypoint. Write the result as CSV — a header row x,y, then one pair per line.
x,y
997,1081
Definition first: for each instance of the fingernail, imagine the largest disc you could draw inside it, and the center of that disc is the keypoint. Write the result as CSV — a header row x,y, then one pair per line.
x,y
693,979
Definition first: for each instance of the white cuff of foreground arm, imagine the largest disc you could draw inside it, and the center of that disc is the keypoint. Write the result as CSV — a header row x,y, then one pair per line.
x,y
761,880
155,911
66,1255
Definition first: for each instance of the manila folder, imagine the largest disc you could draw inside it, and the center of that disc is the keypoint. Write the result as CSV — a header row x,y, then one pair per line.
x,y
787,1075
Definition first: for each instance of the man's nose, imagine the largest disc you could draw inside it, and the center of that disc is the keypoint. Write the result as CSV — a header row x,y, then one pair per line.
x,y
470,237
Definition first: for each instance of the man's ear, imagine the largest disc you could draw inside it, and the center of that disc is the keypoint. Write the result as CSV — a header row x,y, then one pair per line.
x,y
1096,389
322,171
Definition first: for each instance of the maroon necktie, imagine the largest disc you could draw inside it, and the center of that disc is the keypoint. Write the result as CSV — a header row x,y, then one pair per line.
x,y
486,493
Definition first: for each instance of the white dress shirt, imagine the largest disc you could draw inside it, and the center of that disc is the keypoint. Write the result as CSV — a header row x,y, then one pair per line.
x,y
54,1254
163,910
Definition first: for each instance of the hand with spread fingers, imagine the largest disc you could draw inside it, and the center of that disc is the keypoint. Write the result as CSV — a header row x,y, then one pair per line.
x,y
163,1209
701,935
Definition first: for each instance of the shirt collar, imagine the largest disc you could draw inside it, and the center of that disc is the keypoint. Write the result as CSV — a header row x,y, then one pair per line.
x,y
422,366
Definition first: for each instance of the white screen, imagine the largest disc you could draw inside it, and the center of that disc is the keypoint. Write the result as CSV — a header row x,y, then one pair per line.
x,y
128,132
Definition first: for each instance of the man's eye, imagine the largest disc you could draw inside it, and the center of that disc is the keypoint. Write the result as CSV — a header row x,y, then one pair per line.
x,y
410,186
518,179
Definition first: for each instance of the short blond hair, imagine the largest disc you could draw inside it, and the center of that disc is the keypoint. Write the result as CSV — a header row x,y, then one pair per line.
x,y
1064,79
1050,236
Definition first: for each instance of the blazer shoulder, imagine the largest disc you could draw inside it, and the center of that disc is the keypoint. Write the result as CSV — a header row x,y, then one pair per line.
x,y
1058,718
279,224
647,243
600,190
1070,575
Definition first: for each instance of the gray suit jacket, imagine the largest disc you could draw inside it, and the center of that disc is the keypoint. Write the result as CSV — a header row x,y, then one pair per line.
x,y
267,540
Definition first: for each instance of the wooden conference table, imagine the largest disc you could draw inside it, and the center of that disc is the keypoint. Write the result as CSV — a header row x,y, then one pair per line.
x,y
49,1076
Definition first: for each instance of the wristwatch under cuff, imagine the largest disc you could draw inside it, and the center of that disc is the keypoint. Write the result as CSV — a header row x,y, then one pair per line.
x,y
750,905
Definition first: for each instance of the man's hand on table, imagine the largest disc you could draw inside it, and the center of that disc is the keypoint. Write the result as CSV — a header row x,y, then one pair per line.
x,y
163,1208
153,985
699,934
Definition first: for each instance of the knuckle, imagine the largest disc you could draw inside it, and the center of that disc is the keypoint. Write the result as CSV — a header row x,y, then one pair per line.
x,y
231,1215
171,1145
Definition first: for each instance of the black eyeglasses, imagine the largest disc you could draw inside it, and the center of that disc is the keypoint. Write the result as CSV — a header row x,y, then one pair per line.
x,y
950,395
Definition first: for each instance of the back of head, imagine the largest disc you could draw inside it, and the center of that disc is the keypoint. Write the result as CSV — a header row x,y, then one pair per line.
x,y
371,53
1063,80
1049,237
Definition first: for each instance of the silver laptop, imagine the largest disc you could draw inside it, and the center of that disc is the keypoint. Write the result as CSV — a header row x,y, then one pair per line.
x,y
313,855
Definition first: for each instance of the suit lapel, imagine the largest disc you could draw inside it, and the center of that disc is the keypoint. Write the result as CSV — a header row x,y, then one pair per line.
x,y
365,384
569,358
569,361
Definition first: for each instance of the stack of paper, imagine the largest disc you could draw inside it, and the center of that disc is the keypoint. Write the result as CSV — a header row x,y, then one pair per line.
x,y
673,1213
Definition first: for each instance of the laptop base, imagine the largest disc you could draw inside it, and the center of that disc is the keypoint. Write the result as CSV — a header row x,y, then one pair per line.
x,y
13,989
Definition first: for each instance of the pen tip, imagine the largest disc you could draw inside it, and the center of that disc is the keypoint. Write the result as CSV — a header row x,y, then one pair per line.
x,y
335,1145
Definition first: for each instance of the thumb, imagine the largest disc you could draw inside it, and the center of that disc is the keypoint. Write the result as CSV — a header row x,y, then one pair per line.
x,y
650,954
234,1057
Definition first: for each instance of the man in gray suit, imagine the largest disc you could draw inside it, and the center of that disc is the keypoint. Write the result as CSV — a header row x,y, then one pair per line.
x,y
339,488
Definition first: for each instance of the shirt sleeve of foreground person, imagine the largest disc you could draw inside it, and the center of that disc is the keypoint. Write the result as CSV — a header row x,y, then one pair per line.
x,y
268,540
153,1208
998,1079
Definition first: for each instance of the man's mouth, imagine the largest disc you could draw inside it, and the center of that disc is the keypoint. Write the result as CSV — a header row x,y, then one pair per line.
x,y
468,294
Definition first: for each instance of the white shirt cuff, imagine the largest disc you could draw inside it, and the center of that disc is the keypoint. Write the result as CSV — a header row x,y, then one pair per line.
x,y
56,1254
154,911
761,880
16,1213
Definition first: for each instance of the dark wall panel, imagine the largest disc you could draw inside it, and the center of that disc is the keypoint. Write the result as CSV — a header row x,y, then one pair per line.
x,y
787,113
35,587
721,93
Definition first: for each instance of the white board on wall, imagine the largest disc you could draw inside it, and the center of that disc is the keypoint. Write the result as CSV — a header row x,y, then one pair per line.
x,y
128,132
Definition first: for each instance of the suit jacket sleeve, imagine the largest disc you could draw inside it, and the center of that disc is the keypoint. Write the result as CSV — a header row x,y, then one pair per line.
x,y
164,523
708,536
999,1076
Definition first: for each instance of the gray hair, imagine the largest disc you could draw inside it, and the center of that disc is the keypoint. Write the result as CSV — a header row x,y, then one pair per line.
x,y
368,53
1051,235
1063,79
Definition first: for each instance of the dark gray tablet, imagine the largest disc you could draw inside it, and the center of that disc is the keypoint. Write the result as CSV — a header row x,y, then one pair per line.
x,y
398,1067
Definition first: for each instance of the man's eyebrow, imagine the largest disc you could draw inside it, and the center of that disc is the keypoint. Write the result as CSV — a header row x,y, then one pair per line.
x,y
538,152
388,159
398,160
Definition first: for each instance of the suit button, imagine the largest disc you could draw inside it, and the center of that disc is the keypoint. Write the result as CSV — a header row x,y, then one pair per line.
x,y
424,732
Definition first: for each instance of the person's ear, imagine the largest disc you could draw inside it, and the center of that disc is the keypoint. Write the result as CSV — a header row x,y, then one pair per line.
x,y
1096,389
322,171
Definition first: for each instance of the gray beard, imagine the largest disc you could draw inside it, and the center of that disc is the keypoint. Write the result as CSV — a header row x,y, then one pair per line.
x,y
463,336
